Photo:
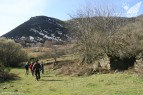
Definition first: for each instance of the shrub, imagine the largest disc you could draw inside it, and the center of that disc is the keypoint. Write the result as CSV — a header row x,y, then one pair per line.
x,y
11,53
5,76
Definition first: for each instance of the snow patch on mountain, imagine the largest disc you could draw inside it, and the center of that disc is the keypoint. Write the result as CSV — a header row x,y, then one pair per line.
x,y
40,33
31,38
39,29
34,30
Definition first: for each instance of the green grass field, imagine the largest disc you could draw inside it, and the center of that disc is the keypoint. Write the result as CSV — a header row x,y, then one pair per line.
x,y
52,84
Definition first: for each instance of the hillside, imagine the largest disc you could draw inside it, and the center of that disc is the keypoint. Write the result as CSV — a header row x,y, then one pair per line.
x,y
42,28
39,29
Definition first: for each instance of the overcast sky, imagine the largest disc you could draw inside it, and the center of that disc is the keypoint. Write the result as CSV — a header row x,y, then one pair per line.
x,y
15,12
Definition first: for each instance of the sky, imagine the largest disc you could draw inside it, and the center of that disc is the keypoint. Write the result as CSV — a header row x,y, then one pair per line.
x,y
15,12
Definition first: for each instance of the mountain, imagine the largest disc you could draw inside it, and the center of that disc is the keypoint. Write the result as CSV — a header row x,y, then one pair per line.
x,y
42,28
39,29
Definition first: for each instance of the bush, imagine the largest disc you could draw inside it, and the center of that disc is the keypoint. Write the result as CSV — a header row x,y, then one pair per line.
x,y
5,76
11,53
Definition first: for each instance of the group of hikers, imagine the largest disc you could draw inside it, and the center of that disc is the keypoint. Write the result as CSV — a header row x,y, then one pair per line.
x,y
35,67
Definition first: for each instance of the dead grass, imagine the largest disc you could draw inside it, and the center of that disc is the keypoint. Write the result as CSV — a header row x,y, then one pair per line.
x,y
36,51
74,68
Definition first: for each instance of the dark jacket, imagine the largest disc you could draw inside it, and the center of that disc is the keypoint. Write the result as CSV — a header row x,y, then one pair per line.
x,y
26,66
37,67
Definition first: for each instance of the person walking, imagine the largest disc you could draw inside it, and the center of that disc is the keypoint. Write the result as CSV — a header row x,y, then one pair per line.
x,y
36,69
42,68
27,68
31,68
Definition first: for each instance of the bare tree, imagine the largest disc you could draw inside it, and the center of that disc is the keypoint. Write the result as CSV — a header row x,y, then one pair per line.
x,y
93,27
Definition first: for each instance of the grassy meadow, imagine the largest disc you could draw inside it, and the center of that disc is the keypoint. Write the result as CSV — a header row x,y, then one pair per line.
x,y
51,84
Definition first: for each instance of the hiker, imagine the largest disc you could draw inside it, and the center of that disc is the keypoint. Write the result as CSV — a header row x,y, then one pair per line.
x,y
31,68
27,68
37,68
42,68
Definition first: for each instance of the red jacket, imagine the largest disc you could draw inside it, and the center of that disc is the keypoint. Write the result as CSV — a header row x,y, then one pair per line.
x,y
31,66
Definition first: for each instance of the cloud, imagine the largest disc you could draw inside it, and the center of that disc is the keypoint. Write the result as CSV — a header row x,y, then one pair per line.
x,y
125,6
132,11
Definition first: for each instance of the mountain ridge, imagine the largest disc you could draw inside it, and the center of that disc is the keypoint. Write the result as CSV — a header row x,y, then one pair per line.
x,y
43,28
39,29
